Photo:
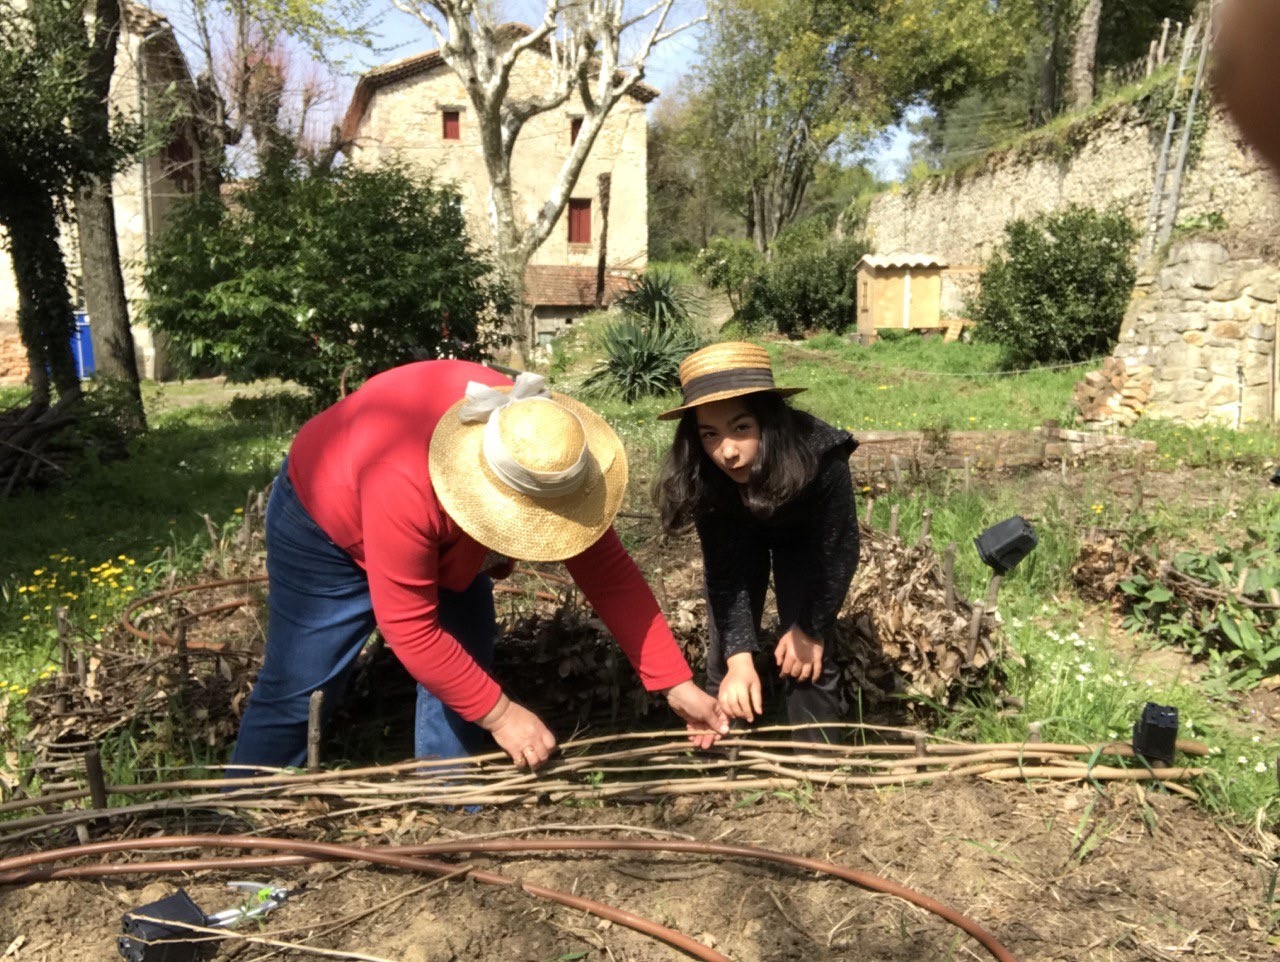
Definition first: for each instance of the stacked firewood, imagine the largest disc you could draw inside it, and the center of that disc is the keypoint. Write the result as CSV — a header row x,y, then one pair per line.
x,y
1116,394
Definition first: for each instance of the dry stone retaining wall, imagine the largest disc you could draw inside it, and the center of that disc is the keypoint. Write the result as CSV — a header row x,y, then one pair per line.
x,y
1205,326
961,217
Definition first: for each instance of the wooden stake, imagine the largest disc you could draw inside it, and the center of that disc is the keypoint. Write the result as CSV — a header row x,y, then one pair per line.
x,y
968,479
993,589
660,589
975,626
1033,733
897,470
871,513
949,574
314,709
184,666
922,749
894,513
926,522
97,782
1063,467
64,637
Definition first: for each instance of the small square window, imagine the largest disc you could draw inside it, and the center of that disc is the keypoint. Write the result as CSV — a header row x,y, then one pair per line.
x,y
452,124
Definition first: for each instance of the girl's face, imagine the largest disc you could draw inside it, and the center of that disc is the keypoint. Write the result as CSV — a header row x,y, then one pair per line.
x,y
730,435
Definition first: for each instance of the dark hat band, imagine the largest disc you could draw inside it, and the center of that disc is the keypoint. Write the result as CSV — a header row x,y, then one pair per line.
x,y
734,379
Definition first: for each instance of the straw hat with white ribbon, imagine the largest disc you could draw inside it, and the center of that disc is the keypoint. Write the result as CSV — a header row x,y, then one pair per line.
x,y
725,370
529,473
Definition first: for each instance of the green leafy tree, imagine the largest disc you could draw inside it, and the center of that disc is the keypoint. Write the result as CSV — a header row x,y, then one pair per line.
x,y
784,81
730,265
323,277
685,205
1058,288
45,104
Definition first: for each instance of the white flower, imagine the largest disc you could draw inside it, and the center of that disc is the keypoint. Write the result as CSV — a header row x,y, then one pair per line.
x,y
1079,677
1256,739
1242,760
1260,767
1113,735
1086,667
1215,750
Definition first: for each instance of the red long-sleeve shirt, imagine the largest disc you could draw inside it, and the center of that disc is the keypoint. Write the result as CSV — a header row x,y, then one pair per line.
x,y
360,469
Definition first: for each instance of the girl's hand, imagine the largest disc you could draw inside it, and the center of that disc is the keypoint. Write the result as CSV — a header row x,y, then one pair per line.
x,y
740,690
799,656
705,721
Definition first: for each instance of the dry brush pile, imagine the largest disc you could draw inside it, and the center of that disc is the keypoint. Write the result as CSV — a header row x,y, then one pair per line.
x,y
175,670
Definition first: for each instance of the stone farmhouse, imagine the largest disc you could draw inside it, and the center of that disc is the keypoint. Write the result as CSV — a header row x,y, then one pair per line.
x,y
416,110
149,65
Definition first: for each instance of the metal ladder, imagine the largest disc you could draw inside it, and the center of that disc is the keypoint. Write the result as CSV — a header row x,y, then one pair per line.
x,y
1167,189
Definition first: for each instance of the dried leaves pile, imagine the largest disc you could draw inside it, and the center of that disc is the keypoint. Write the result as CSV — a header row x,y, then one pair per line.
x,y
1103,563
899,635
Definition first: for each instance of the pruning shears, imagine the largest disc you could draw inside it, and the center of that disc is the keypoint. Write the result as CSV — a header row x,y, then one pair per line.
x,y
259,900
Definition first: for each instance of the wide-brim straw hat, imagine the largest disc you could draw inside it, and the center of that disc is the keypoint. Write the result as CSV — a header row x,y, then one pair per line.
x,y
725,370
544,434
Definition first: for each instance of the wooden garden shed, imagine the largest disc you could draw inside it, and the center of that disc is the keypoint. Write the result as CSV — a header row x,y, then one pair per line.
x,y
899,291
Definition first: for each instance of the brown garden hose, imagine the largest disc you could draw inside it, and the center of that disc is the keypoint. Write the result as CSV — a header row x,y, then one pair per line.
x,y
23,869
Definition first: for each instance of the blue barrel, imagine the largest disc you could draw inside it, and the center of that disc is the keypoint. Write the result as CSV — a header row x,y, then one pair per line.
x,y
82,346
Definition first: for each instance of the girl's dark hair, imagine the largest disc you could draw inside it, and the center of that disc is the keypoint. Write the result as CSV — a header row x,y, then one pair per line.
x,y
689,483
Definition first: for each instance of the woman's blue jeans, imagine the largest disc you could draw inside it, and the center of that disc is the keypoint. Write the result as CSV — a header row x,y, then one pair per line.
x,y
320,616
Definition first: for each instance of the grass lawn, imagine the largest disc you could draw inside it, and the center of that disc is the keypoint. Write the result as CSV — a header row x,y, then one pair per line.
x,y
98,541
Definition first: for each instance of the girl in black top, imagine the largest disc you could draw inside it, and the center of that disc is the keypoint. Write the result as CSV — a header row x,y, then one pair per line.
x,y
766,487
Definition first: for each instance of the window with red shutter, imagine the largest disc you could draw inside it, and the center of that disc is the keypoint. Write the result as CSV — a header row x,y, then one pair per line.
x,y
579,221
575,128
452,124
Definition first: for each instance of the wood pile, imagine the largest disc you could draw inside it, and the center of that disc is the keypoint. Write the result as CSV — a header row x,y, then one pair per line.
x,y
33,446
1116,394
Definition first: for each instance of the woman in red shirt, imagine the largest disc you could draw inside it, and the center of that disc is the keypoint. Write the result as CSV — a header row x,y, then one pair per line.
x,y
393,508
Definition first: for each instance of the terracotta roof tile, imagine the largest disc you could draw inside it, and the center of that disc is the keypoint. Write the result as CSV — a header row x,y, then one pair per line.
x,y
563,286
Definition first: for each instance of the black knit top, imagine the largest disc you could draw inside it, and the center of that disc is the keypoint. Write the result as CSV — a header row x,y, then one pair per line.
x,y
817,531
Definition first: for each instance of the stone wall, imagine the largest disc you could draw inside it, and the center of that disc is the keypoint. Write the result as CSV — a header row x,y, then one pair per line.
x,y
1205,325
1112,161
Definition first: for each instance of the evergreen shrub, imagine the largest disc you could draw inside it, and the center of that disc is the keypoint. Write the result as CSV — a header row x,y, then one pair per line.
x,y
1058,288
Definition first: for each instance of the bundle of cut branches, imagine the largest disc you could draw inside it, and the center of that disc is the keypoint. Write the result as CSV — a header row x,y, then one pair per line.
x,y
31,455
900,637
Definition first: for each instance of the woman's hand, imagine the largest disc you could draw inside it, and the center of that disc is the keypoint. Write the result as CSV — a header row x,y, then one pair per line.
x,y
799,656
519,732
706,722
740,695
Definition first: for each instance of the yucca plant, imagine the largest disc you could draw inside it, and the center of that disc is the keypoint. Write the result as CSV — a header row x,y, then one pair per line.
x,y
657,300
641,359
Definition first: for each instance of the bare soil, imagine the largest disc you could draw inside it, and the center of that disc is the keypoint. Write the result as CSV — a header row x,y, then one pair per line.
x,y
1054,873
